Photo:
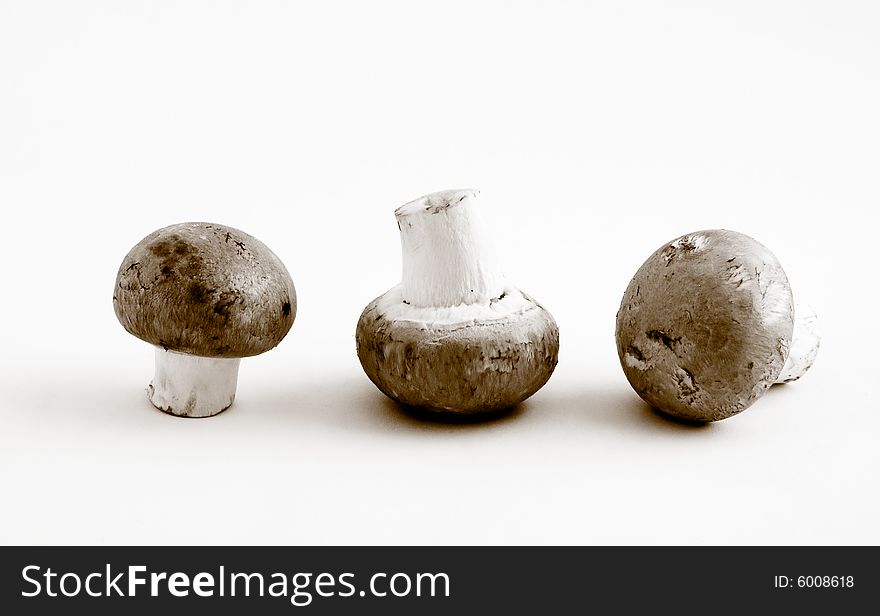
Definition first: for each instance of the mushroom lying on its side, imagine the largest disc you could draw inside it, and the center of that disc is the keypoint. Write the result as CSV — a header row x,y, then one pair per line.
x,y
706,325
204,295
453,336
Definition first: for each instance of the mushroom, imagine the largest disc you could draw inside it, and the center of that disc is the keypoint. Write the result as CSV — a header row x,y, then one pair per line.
x,y
205,295
453,336
707,325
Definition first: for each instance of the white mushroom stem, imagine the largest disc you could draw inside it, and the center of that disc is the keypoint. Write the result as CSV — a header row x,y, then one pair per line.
x,y
191,386
446,258
804,344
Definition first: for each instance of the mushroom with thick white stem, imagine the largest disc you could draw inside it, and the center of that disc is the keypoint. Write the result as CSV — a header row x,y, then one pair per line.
x,y
453,336
205,295
707,325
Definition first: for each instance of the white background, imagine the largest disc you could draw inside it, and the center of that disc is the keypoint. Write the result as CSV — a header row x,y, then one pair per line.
x,y
596,132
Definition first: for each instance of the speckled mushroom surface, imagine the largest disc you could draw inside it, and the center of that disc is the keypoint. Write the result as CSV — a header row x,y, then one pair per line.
x,y
468,366
705,325
205,289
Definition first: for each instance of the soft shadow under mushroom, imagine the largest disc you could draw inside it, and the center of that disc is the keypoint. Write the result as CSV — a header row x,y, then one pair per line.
x,y
615,408
422,417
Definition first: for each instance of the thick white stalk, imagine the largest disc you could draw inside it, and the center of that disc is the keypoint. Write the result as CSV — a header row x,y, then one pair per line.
x,y
804,344
447,260
191,386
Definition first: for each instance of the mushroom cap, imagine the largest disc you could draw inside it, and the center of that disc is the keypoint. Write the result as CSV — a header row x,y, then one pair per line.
x,y
705,325
205,289
469,366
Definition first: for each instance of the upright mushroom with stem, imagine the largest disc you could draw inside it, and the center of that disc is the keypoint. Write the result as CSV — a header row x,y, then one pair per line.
x,y
707,325
454,336
205,295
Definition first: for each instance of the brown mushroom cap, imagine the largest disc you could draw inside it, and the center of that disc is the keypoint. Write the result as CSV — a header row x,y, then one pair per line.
x,y
466,367
705,325
205,289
